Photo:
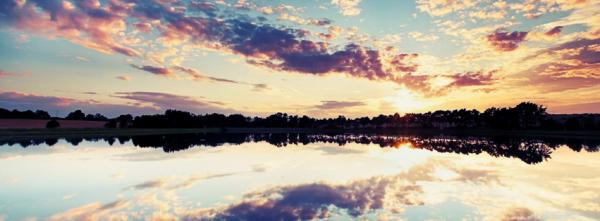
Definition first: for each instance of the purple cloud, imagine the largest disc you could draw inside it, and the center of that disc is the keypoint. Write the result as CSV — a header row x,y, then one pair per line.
x,y
164,101
554,31
197,76
315,201
153,69
506,41
200,77
61,106
99,26
476,78
140,103
576,66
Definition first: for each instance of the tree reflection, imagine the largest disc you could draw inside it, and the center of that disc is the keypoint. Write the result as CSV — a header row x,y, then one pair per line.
x,y
529,150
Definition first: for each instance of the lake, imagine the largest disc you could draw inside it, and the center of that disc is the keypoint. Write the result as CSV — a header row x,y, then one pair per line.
x,y
299,176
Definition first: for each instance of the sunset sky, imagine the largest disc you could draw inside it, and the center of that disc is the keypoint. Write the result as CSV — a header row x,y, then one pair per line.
x,y
321,58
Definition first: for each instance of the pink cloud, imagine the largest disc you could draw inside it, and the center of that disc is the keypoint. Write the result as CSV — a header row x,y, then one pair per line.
x,y
92,25
592,107
144,103
7,74
164,101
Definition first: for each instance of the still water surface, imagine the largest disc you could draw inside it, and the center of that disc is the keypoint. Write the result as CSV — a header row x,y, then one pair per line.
x,y
299,176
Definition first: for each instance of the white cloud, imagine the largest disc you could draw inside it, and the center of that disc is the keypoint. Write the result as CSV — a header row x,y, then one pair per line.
x,y
347,7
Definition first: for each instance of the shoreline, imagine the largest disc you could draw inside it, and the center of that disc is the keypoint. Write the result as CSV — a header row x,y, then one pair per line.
x,y
99,132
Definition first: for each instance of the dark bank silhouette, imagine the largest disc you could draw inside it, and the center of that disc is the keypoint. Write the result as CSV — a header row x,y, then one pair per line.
x,y
52,124
28,114
524,116
529,150
40,114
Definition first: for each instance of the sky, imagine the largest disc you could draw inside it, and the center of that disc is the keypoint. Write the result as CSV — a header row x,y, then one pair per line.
x,y
321,58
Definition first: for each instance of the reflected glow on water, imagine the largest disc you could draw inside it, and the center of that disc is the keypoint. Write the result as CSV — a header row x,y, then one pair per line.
x,y
259,181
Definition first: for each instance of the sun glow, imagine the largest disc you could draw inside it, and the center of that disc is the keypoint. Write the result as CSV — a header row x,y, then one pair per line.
x,y
406,101
403,144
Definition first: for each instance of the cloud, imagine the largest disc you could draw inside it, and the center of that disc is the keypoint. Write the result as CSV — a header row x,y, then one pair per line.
x,y
201,77
124,77
506,41
303,21
9,74
261,87
144,103
144,27
172,183
192,180
347,7
443,7
584,50
354,198
571,65
418,36
516,214
315,201
150,184
154,70
326,105
82,58
61,105
114,26
476,78
197,76
554,31
91,25
164,101
91,212
591,107
477,176
262,44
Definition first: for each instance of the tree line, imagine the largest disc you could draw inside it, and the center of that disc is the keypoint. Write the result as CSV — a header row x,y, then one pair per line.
x,y
525,115
41,114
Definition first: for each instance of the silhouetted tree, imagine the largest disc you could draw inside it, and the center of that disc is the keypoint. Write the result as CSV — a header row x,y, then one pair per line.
x,y
529,115
76,115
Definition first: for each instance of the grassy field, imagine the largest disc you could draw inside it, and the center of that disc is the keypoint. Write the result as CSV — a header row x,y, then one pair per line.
x,y
76,132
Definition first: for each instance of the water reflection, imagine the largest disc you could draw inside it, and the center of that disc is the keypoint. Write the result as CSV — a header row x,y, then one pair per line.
x,y
529,150
299,177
